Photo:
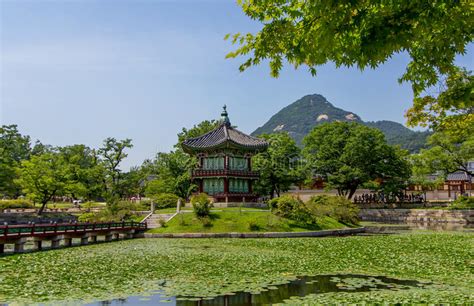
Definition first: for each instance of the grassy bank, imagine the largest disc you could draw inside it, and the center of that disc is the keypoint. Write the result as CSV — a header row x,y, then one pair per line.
x,y
207,267
245,220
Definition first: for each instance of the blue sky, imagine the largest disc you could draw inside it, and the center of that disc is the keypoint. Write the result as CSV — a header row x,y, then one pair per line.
x,y
79,71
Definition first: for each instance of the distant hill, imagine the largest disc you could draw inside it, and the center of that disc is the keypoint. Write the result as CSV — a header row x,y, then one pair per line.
x,y
300,117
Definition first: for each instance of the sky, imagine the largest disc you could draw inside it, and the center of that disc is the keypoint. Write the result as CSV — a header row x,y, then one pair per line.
x,y
79,71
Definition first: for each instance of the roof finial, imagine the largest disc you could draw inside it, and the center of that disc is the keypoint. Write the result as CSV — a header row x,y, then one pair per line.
x,y
224,116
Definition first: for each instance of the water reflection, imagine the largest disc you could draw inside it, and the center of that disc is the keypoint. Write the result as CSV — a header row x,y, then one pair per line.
x,y
276,294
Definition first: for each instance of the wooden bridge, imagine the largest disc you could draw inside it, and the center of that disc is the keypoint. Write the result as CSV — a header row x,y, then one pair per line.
x,y
57,232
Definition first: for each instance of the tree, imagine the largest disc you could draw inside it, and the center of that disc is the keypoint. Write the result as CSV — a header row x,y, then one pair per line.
x,y
42,177
14,148
361,33
112,154
448,153
348,155
278,165
393,173
173,169
423,174
452,110
174,173
84,171
131,183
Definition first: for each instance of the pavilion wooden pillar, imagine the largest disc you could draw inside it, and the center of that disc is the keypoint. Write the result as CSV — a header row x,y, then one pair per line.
x,y
226,189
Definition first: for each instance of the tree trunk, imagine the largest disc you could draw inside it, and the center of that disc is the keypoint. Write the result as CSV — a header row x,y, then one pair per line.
x,y
351,193
43,205
272,192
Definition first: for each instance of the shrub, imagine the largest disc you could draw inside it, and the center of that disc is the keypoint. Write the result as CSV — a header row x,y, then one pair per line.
x,y
201,205
206,221
292,208
165,200
462,203
19,203
162,222
253,225
87,217
115,211
339,208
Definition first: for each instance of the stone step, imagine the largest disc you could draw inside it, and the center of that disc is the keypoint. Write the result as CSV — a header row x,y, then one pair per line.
x,y
154,220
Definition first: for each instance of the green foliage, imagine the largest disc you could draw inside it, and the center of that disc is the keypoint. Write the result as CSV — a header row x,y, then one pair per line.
x,y
84,172
452,110
156,187
300,117
253,225
348,155
448,153
338,208
173,172
112,154
462,203
201,205
291,208
165,200
277,165
360,33
14,148
87,217
18,203
42,177
197,267
317,208
116,211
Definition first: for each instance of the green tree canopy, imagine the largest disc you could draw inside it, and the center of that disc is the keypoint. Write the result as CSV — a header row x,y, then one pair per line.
x,y
173,169
364,34
84,170
361,33
42,177
348,155
112,154
278,166
448,153
14,148
452,110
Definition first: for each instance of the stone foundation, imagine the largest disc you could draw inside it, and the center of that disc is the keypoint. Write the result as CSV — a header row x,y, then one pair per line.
x,y
325,233
417,215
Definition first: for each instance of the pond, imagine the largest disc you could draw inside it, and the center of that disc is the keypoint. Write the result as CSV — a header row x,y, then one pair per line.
x,y
300,287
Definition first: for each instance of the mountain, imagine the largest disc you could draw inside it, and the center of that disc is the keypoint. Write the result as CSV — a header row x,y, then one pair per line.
x,y
300,117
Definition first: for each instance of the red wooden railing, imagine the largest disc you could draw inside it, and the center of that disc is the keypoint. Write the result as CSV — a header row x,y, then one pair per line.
x,y
49,229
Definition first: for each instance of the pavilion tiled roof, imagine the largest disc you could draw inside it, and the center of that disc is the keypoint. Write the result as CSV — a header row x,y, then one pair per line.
x,y
224,136
458,176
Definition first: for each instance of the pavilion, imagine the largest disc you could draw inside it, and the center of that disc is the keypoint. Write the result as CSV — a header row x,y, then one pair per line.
x,y
224,168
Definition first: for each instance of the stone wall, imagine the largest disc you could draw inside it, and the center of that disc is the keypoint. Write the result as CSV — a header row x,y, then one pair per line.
x,y
417,215
324,233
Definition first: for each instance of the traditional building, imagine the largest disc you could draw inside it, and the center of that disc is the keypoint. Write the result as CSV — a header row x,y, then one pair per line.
x,y
224,169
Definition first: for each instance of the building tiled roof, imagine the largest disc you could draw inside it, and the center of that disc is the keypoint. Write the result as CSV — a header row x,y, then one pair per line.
x,y
224,136
458,176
